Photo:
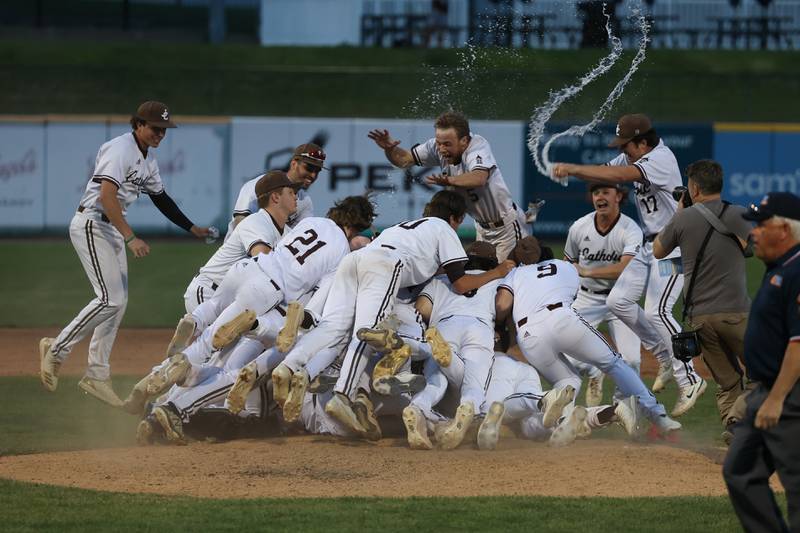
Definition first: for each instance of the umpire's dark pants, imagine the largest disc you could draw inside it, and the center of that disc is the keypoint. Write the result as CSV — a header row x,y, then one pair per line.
x,y
754,455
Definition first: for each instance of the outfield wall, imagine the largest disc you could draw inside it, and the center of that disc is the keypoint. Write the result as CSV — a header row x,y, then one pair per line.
x,y
46,161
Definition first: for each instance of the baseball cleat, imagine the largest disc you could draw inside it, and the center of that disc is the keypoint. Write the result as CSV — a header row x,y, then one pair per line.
x,y
687,397
297,392
390,363
402,383
416,428
665,425
230,331
594,391
489,432
244,383
440,348
137,400
554,402
339,407
664,376
48,364
101,390
182,336
172,372
281,381
382,339
567,431
627,415
171,423
323,383
146,432
453,433
287,336
365,413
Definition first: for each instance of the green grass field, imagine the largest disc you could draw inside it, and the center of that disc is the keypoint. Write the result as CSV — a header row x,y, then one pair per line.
x,y
45,286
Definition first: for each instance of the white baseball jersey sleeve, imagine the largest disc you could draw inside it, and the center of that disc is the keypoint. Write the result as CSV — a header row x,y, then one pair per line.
x,y
660,176
424,245
490,203
303,256
259,228
447,303
541,284
590,248
247,202
121,162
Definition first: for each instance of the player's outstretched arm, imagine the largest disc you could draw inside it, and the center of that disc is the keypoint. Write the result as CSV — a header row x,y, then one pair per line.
x,y
399,157
469,180
469,282
602,173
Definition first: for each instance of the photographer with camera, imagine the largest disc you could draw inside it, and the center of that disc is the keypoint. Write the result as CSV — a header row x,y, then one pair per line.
x,y
712,237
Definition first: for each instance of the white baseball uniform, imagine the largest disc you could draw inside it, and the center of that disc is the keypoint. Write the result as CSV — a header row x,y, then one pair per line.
x,y
259,228
655,324
590,248
366,286
497,218
101,249
548,327
247,204
467,324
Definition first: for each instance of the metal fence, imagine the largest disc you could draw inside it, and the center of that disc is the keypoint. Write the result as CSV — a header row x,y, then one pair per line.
x,y
563,24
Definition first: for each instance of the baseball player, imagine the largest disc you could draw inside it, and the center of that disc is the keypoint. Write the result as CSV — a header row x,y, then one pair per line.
x,y
307,162
652,168
367,282
601,244
468,168
258,234
125,167
540,297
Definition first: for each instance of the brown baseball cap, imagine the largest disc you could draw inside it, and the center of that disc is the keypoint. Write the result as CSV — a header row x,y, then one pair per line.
x,y
156,114
630,126
527,251
482,249
274,179
310,153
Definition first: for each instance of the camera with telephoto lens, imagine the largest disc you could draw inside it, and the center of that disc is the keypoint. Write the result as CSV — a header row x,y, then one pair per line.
x,y
681,191
686,345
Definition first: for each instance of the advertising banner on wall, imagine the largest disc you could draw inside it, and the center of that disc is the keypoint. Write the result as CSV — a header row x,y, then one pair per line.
x,y
564,205
22,176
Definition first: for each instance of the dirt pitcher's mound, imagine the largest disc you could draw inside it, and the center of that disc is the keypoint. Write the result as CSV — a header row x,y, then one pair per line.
x,y
309,466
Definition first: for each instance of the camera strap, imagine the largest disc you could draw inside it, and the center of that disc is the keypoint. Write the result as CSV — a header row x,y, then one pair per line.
x,y
687,299
720,226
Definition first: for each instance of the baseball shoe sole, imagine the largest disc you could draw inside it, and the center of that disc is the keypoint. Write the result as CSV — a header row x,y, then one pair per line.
x,y
567,431
489,432
171,423
627,413
664,376
403,383
453,433
281,382
687,397
230,331
183,334
287,336
339,408
174,371
365,413
145,432
416,429
382,339
594,391
297,392
391,363
440,348
554,402
244,383
665,425
102,390
48,365
323,383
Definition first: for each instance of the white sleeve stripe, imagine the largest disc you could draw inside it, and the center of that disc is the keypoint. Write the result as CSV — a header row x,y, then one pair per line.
x,y
455,260
642,171
242,212
415,156
426,295
250,248
99,177
506,287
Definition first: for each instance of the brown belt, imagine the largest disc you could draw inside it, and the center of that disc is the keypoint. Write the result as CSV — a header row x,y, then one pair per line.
x,y
491,225
103,216
551,307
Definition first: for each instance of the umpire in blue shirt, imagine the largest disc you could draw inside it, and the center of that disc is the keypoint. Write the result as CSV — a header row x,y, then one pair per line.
x,y
767,440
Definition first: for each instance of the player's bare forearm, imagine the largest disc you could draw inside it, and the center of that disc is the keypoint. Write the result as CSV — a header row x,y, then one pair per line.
x,y
236,220
399,157
470,180
602,173
606,272
469,282
424,307
503,303
112,209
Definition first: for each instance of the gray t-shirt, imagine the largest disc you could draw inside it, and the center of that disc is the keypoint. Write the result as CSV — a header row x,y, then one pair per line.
x,y
721,286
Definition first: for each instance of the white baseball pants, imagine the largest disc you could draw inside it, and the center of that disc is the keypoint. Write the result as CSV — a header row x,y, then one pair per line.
x,y
506,236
